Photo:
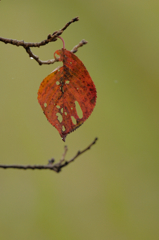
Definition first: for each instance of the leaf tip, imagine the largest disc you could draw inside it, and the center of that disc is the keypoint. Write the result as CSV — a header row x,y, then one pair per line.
x,y
63,138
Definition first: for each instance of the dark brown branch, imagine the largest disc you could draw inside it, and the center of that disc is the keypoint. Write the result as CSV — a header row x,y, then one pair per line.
x,y
50,38
51,165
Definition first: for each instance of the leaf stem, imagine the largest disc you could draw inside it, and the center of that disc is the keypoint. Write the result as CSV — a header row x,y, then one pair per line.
x,y
62,41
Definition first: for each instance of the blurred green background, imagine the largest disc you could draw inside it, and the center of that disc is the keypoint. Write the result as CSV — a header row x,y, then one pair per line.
x,y
112,191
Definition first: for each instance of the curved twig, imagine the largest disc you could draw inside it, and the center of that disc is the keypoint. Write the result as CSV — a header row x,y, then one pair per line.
x,y
50,38
51,61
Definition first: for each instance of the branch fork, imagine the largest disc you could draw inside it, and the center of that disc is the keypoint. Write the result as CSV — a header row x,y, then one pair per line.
x,y
56,167
50,38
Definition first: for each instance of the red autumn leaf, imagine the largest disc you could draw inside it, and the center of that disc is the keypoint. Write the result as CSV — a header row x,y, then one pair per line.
x,y
60,92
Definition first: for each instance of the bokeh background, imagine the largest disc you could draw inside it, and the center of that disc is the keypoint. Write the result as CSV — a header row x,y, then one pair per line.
x,y
112,191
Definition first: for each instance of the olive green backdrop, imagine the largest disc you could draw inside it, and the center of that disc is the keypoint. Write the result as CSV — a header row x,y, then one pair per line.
x,y
110,192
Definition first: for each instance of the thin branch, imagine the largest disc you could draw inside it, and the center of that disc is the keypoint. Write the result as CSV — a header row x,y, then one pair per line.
x,y
78,154
63,155
51,165
50,38
51,61
75,49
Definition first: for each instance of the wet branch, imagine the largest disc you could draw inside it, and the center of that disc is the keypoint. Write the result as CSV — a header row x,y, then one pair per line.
x,y
51,165
50,38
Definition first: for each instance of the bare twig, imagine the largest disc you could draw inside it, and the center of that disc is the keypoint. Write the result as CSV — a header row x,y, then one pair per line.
x,y
51,165
64,154
51,61
50,38
75,49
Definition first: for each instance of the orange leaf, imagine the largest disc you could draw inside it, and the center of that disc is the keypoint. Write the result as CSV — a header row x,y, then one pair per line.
x,y
61,92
